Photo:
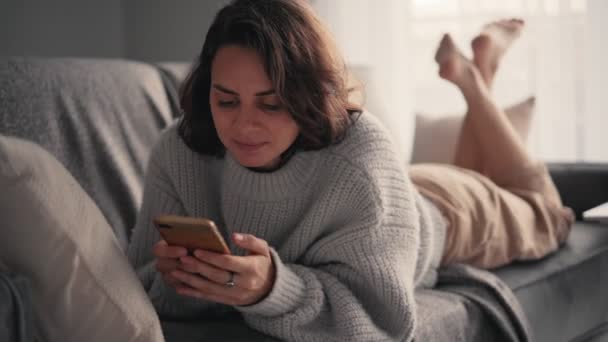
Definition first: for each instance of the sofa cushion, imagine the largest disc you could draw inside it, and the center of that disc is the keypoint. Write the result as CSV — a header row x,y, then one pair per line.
x,y
436,136
82,285
99,118
564,294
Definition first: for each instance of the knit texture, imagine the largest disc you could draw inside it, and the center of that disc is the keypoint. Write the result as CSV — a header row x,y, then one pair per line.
x,y
350,235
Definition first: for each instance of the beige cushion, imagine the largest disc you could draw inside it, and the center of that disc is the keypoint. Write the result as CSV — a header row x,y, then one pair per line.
x,y
436,138
83,287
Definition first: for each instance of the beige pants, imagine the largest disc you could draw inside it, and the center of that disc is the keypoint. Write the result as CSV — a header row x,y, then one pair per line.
x,y
491,225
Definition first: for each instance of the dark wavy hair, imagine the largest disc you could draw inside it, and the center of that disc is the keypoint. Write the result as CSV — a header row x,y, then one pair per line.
x,y
300,58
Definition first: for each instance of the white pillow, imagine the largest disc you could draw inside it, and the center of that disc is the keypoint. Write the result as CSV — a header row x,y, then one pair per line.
x,y
83,287
436,138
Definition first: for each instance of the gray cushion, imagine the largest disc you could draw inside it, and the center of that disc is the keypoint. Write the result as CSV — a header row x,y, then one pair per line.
x,y
99,118
564,295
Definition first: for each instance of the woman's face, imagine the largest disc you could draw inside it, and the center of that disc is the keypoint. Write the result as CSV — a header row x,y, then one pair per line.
x,y
251,122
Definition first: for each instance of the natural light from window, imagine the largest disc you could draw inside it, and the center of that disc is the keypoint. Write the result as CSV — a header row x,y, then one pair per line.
x,y
559,59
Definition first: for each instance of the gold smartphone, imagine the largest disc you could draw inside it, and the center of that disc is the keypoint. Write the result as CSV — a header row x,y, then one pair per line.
x,y
191,232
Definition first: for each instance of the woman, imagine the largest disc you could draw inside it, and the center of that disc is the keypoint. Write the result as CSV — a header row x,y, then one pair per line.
x,y
329,236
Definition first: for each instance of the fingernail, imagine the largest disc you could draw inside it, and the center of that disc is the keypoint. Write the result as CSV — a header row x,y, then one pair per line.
x,y
238,237
199,254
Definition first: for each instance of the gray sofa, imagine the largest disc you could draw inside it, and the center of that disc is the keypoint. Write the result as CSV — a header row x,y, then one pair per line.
x,y
101,117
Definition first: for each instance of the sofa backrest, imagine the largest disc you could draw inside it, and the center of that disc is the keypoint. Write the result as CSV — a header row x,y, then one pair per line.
x,y
175,73
99,118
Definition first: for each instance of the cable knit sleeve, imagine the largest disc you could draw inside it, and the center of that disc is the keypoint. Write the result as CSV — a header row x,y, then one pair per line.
x,y
159,197
356,283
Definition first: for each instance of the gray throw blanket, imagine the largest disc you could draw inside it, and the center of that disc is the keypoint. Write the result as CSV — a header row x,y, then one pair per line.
x,y
99,118
468,304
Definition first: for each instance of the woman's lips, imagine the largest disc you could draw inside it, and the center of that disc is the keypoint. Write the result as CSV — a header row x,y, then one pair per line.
x,y
248,147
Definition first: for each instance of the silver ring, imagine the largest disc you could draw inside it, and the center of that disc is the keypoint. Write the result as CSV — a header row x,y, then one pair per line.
x,y
230,282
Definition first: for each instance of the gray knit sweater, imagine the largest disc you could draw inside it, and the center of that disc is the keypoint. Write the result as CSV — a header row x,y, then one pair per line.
x,y
351,236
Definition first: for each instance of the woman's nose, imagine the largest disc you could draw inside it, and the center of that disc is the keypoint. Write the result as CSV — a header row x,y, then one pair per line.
x,y
246,118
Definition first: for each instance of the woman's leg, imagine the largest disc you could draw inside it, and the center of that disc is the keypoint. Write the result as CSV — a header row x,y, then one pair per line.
x,y
489,47
498,147
466,155
492,43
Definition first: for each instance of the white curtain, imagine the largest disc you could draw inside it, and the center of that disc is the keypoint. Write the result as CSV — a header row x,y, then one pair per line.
x,y
373,36
560,58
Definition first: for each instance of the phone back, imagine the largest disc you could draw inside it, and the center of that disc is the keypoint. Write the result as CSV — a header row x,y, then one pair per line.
x,y
191,233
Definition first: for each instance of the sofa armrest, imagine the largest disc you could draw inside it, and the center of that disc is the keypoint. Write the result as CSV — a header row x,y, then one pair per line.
x,y
581,185
16,311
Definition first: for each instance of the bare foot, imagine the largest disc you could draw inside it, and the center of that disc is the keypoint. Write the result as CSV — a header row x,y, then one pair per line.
x,y
491,44
455,67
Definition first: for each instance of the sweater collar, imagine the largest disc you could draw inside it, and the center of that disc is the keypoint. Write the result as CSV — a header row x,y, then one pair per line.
x,y
282,183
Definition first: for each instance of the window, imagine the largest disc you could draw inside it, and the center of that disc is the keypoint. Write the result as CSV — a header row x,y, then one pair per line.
x,y
559,59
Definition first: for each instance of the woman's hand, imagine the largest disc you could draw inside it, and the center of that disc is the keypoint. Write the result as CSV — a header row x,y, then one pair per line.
x,y
168,261
207,274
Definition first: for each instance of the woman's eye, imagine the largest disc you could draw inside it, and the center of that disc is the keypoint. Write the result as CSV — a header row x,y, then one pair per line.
x,y
227,103
272,108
